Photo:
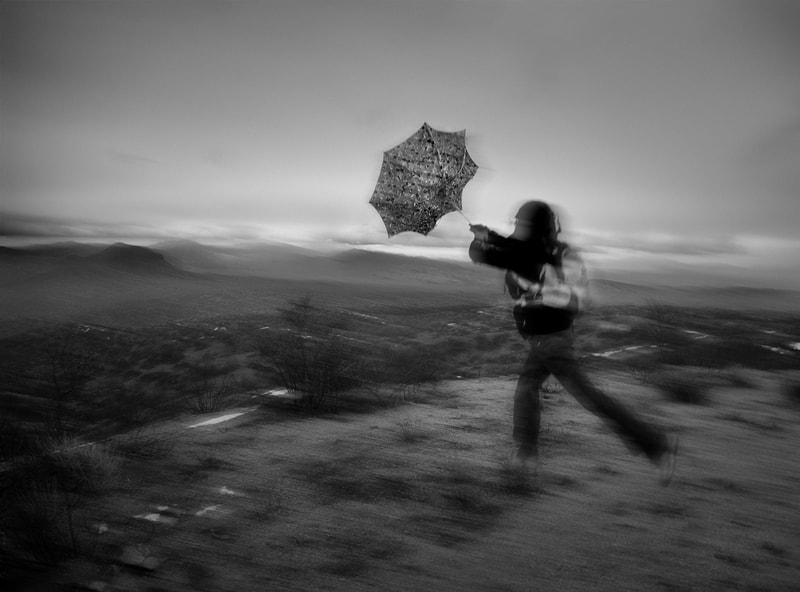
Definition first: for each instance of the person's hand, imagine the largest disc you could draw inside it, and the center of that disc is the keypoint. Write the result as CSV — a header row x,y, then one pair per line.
x,y
558,296
480,231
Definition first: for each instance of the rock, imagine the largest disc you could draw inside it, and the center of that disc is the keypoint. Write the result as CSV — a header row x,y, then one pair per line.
x,y
139,556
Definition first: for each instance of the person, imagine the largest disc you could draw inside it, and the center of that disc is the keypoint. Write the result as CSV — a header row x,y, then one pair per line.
x,y
549,284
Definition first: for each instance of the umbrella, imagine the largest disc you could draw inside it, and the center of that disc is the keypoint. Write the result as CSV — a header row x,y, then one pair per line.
x,y
421,180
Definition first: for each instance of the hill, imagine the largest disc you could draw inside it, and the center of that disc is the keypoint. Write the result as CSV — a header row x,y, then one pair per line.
x,y
119,281
66,249
612,292
131,259
123,283
264,259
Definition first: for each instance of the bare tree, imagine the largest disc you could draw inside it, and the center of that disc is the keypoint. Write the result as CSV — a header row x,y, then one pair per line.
x,y
309,356
72,365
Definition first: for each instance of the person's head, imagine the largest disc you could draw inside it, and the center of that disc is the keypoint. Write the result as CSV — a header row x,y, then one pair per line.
x,y
536,221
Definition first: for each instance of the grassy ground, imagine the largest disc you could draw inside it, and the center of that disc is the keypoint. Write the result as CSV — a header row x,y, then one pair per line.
x,y
405,487
422,496
140,373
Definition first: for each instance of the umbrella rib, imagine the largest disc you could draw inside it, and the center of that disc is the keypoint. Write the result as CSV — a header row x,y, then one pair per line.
x,y
453,180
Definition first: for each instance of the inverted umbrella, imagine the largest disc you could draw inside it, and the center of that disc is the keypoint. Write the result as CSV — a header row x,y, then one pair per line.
x,y
421,180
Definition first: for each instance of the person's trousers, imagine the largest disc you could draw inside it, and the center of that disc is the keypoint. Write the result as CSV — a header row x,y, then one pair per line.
x,y
554,354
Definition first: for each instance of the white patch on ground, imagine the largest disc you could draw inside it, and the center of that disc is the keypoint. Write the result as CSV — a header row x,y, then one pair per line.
x,y
363,315
139,556
207,510
225,491
695,334
612,352
777,350
794,346
279,393
84,445
155,517
219,419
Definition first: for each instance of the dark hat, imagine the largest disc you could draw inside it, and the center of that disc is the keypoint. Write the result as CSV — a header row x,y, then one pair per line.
x,y
539,216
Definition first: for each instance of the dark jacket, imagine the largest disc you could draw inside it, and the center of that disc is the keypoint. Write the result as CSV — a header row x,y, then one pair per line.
x,y
549,284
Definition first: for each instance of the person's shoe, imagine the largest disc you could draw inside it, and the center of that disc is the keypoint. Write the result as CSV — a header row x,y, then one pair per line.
x,y
666,462
527,457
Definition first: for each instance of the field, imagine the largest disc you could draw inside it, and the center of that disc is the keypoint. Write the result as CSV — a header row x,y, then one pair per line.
x,y
396,474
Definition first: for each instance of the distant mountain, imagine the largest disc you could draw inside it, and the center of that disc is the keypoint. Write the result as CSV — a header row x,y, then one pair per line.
x,y
63,278
66,249
745,298
193,256
372,266
119,283
274,260
79,262
133,259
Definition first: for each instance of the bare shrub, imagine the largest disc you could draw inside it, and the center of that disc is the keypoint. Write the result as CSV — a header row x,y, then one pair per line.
x,y
72,364
40,527
310,356
791,390
144,443
46,496
208,395
84,466
641,368
398,373
15,440
660,326
412,432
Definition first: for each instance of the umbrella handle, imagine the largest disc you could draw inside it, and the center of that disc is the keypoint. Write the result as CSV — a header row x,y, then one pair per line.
x,y
464,216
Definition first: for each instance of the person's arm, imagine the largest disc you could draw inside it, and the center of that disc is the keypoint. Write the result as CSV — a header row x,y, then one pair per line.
x,y
496,250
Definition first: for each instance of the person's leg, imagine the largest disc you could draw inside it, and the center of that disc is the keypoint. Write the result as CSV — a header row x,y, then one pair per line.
x,y
527,406
566,368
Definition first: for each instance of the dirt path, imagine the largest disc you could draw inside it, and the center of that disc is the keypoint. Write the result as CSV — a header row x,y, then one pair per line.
x,y
421,497
729,521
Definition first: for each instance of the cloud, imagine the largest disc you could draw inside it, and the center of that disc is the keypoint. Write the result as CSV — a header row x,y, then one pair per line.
x,y
16,225
660,244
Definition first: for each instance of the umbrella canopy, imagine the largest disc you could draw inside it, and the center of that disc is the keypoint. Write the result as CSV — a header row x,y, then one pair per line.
x,y
421,180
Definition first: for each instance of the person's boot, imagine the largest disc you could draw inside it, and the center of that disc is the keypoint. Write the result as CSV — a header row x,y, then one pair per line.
x,y
666,462
527,456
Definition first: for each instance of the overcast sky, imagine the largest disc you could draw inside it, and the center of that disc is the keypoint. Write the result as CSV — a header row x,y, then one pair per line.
x,y
660,124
